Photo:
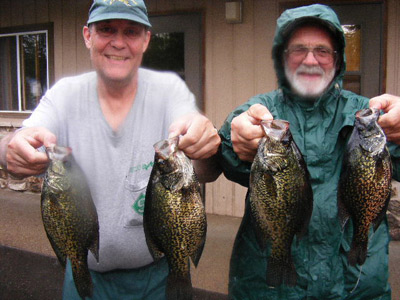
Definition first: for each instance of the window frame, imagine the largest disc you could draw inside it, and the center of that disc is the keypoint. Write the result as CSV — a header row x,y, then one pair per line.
x,y
27,29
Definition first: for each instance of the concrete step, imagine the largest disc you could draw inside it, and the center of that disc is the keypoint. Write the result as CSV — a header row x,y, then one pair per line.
x,y
26,275
22,235
24,242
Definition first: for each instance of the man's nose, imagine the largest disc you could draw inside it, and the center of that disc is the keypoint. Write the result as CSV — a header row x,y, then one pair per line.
x,y
310,59
118,40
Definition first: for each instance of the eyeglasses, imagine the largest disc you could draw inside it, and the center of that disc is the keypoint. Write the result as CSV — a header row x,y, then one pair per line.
x,y
323,55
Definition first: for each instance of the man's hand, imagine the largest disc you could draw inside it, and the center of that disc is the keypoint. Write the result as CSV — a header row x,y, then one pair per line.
x,y
199,139
246,131
19,154
390,121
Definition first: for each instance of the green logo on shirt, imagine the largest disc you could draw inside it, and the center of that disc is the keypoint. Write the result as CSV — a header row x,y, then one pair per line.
x,y
138,206
141,167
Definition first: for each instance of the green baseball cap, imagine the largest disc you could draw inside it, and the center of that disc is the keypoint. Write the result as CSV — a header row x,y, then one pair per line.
x,y
133,10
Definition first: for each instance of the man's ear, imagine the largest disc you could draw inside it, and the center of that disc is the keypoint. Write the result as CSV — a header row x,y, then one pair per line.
x,y
86,36
147,42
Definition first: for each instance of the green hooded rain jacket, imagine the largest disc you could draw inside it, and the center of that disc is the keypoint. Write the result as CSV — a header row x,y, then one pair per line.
x,y
321,130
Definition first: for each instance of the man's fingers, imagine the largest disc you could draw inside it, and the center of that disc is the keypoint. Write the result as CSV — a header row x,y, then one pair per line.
x,y
246,131
22,157
201,145
384,102
259,112
199,138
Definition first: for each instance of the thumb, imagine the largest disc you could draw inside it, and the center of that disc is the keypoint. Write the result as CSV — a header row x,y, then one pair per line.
x,y
382,102
49,140
172,134
376,103
179,127
45,137
259,112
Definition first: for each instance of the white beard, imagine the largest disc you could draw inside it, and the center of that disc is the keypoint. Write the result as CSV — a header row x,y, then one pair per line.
x,y
302,87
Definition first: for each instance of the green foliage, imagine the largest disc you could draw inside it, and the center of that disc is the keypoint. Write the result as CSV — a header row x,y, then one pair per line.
x,y
166,52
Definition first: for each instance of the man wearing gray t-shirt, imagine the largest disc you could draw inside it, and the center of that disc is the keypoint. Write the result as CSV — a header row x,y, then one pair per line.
x,y
111,118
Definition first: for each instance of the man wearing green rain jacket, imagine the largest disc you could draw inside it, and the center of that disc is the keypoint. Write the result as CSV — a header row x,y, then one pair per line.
x,y
320,113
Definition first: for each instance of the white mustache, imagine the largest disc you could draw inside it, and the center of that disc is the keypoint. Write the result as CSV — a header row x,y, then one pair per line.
x,y
310,70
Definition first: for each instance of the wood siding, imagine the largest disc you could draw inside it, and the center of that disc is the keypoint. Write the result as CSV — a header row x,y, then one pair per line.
x,y
68,16
237,57
393,48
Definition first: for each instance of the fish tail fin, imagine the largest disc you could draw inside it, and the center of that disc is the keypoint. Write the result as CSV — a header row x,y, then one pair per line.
x,y
343,213
279,272
380,217
82,278
179,287
357,253
94,248
197,255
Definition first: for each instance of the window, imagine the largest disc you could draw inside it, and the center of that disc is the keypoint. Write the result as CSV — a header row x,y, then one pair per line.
x,y
166,52
24,67
178,41
352,78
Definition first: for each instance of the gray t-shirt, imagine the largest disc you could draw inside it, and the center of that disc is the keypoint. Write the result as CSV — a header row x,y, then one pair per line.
x,y
116,164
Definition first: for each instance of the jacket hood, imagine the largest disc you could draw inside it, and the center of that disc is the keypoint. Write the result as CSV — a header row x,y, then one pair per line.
x,y
290,20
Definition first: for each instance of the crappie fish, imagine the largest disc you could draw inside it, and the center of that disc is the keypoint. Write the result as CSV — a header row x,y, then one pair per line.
x,y
174,216
280,198
69,216
365,182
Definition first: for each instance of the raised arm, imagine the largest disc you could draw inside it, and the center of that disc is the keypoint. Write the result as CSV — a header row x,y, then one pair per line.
x,y
19,154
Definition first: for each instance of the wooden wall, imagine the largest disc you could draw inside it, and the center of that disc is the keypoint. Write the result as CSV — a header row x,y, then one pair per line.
x,y
238,66
393,48
68,16
237,57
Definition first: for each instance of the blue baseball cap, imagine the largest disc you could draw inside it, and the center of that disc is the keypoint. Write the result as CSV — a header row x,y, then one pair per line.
x,y
133,10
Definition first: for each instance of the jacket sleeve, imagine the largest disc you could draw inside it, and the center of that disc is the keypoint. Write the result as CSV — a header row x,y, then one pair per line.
x,y
235,169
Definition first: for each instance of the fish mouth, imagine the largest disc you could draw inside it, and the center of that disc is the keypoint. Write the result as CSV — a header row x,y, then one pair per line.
x,y
367,115
55,152
366,112
275,129
368,119
167,147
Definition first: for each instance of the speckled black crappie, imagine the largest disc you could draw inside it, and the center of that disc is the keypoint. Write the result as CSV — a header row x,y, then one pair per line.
x,y
365,182
174,216
280,198
69,216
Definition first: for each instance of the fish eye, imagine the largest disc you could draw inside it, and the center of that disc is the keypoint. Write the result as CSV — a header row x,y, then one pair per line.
x,y
286,141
